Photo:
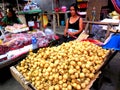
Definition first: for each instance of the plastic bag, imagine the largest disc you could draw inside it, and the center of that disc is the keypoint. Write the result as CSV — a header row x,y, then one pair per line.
x,y
113,43
49,31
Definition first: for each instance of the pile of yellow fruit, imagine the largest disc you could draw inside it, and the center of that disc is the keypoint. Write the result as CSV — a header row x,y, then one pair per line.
x,y
69,66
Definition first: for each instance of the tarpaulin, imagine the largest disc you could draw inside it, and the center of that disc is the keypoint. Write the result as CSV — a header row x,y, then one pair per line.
x,y
116,4
113,43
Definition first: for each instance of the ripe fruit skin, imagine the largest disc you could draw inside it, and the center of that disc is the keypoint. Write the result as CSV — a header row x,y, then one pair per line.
x,y
70,65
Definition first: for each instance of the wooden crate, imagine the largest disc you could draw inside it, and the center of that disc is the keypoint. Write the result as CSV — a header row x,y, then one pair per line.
x,y
27,85
19,77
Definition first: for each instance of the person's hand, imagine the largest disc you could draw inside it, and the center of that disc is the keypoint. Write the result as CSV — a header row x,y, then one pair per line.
x,y
65,34
71,34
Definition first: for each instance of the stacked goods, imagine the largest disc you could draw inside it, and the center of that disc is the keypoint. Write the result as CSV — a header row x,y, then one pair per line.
x,y
16,28
16,41
3,49
69,66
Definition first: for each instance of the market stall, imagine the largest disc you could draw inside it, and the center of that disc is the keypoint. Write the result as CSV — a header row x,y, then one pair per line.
x,y
64,57
74,65
62,66
18,40
31,15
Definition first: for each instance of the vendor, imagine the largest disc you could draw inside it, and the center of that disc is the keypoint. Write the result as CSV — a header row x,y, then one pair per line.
x,y
10,18
74,24
44,20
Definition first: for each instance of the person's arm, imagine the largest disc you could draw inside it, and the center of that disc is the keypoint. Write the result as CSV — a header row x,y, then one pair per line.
x,y
80,28
18,20
4,21
66,28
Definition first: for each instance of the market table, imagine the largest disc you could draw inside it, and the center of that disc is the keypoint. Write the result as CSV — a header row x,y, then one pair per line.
x,y
27,85
19,44
30,11
14,56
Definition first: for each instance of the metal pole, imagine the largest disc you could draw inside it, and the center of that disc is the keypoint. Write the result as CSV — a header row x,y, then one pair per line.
x,y
18,5
52,5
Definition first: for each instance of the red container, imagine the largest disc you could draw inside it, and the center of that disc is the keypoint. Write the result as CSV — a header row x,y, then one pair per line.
x,y
57,9
63,8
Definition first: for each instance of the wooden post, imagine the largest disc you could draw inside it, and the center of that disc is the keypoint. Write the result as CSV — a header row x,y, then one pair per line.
x,y
54,23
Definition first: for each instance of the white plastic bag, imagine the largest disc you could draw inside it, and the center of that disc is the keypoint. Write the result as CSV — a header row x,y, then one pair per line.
x,y
48,31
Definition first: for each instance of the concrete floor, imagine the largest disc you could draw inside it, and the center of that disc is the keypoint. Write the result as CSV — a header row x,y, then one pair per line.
x,y
110,77
7,82
108,80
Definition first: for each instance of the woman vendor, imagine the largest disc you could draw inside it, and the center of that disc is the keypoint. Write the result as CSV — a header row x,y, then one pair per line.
x,y
10,18
74,24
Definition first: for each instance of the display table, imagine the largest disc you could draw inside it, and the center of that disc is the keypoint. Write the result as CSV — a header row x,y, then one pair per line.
x,y
56,18
14,56
30,15
29,85
100,28
30,12
21,43
65,16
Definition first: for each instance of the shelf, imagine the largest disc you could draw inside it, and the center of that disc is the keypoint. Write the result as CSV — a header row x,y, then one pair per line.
x,y
82,13
81,1
82,7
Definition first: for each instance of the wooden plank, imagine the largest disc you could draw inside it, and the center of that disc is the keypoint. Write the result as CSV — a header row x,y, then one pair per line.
x,y
92,81
105,60
101,23
27,86
19,77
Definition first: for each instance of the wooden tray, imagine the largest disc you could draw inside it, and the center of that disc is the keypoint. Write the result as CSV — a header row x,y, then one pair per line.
x,y
18,30
27,85
19,77
105,60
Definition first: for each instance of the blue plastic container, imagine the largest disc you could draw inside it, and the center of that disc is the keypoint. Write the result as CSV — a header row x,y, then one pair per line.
x,y
62,23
